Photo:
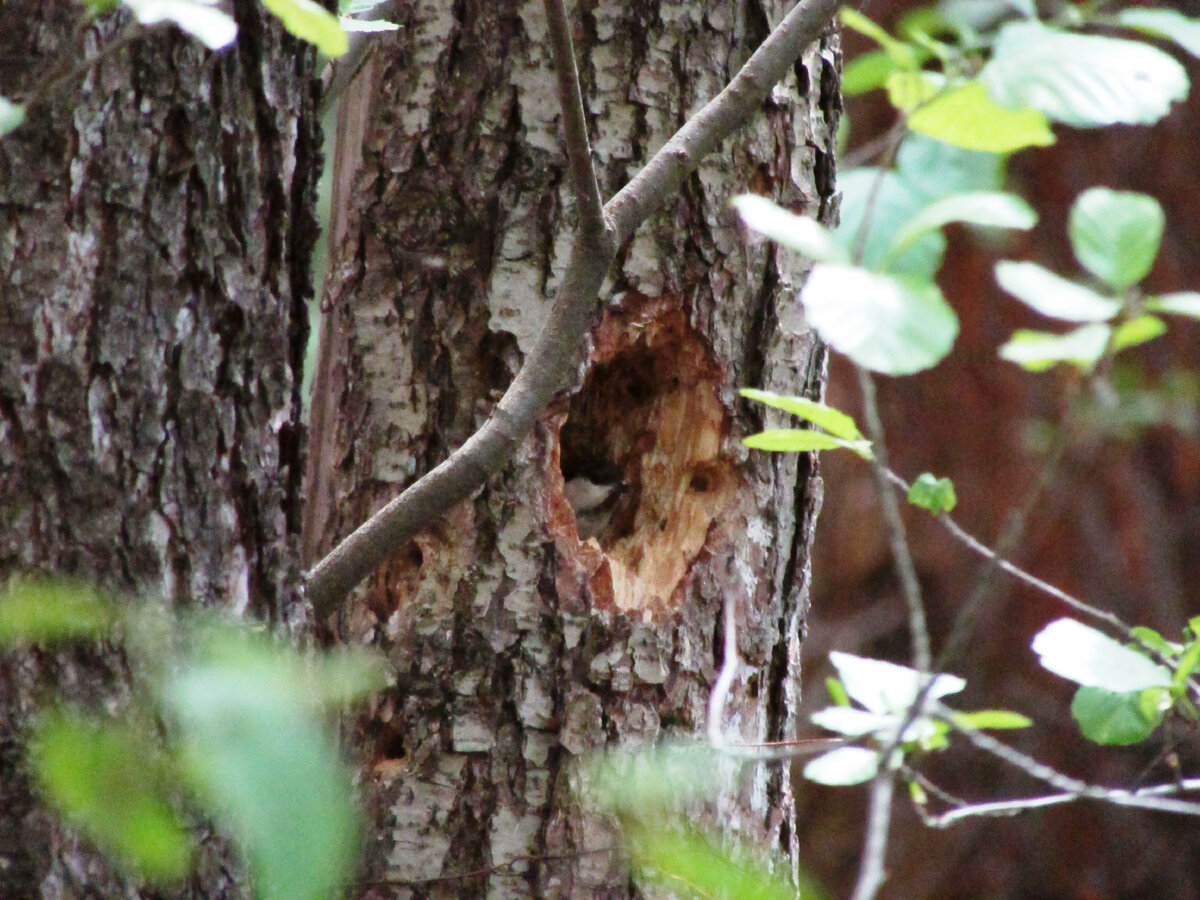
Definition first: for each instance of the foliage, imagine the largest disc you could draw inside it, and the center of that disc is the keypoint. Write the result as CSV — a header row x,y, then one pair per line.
x,y
245,742
971,84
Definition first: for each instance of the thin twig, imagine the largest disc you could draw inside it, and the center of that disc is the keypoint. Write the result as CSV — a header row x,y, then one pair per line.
x,y
550,366
1065,783
879,814
1016,807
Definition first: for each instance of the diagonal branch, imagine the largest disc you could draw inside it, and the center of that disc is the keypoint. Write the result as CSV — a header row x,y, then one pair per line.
x,y
550,366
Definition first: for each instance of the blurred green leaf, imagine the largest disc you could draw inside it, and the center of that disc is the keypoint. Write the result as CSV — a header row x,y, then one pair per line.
x,y
844,766
1116,234
837,691
1111,718
1182,303
799,233
1187,663
259,754
1164,23
1091,658
993,718
892,325
933,169
689,864
212,27
983,208
866,72
111,782
1156,641
967,117
1137,331
903,54
311,22
836,422
1084,80
881,203
11,115
1052,295
1037,351
907,90
803,440
49,610
933,494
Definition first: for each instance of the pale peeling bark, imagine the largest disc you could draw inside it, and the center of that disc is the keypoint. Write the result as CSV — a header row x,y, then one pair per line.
x,y
518,650
154,270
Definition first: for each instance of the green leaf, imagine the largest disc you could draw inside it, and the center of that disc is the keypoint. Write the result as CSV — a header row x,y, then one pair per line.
x,y
933,169
645,782
837,692
1137,331
46,610
968,117
1116,234
1155,641
692,865
1164,23
866,72
908,90
984,208
367,25
796,440
892,325
1082,79
210,26
1118,719
881,203
933,494
11,115
1091,658
311,22
1052,295
1182,303
109,782
844,766
992,718
1037,351
832,420
1187,663
799,233
258,752
903,54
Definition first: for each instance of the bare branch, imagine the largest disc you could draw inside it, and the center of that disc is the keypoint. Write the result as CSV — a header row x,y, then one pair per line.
x,y
579,152
550,366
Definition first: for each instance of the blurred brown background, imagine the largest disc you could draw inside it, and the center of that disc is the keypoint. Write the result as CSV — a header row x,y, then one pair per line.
x,y
1120,528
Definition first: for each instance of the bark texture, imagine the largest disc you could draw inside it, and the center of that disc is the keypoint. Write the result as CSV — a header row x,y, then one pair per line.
x,y
517,648
154,270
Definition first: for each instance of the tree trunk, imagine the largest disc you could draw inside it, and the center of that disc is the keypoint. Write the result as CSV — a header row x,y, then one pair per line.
x,y
517,647
154,273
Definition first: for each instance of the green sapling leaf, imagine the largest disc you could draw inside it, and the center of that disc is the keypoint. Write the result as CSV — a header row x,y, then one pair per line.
x,y
1084,80
11,115
968,117
799,233
1052,295
894,325
212,27
832,420
311,22
1091,658
993,718
1116,234
1164,23
1116,719
984,208
1181,303
844,766
933,494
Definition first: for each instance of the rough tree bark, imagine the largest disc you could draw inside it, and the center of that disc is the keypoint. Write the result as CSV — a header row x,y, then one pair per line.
x,y
516,647
154,272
